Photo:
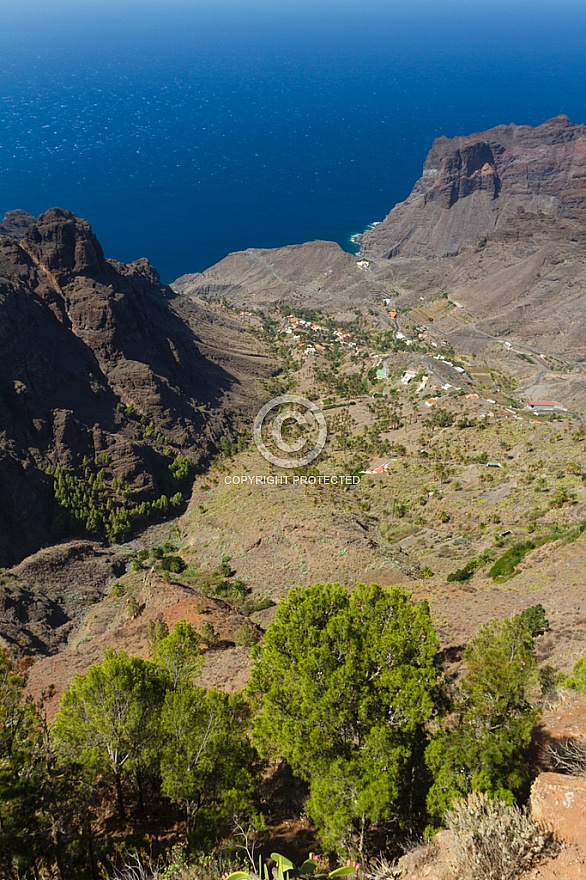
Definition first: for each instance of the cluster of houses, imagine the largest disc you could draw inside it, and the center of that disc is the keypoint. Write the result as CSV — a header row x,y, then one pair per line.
x,y
295,325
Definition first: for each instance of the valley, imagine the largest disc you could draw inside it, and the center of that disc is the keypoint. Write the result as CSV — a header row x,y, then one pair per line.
x,y
446,362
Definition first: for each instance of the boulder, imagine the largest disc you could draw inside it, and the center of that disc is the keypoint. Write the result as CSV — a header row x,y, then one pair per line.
x,y
558,803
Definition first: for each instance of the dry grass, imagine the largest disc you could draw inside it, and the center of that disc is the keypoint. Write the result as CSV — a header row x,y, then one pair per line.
x,y
493,840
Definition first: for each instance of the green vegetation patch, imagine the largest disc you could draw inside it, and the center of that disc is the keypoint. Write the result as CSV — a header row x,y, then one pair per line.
x,y
505,566
98,505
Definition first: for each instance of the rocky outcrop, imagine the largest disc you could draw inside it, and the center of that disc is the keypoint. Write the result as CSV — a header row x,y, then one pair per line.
x,y
558,803
42,598
16,223
474,184
95,360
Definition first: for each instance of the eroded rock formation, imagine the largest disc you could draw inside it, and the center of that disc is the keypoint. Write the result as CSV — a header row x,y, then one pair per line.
x,y
82,339
474,184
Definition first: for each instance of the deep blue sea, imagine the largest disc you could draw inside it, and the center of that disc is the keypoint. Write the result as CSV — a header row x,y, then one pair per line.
x,y
185,131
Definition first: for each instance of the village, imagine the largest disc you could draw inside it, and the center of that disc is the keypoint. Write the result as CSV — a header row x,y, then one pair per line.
x,y
404,367
428,370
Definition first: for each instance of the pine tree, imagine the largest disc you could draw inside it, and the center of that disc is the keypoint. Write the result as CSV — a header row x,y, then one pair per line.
x,y
108,720
177,655
207,761
482,746
342,690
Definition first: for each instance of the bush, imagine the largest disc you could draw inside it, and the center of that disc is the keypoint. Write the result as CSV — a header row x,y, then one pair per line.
x,y
134,609
577,680
246,636
173,563
535,619
158,630
233,591
251,606
463,574
493,840
505,566
485,737
209,635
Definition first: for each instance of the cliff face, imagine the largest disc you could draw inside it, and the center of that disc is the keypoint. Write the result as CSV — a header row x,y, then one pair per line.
x,y
81,339
473,185
16,223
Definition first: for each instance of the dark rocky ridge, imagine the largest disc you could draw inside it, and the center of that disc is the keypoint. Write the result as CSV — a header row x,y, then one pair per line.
x,y
80,335
473,185
16,223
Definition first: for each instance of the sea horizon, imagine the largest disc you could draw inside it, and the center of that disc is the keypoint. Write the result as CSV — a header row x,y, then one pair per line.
x,y
183,135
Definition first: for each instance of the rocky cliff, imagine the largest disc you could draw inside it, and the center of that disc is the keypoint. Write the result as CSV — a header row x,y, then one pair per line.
x,y
16,223
474,184
102,366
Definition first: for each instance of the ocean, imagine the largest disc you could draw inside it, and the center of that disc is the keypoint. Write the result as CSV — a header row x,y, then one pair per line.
x,y
185,132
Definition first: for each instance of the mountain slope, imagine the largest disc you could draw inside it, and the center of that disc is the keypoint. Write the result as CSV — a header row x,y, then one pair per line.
x,y
97,363
474,184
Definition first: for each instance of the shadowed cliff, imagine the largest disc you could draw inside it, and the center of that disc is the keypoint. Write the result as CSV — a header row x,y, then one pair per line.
x,y
97,365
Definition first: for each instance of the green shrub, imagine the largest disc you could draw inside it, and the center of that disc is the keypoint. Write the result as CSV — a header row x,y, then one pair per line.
x,y
233,591
577,680
209,635
465,573
246,636
158,630
251,606
225,569
534,617
134,609
173,563
506,564
483,742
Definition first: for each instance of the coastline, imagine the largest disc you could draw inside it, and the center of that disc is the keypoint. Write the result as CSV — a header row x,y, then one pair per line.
x,y
356,239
